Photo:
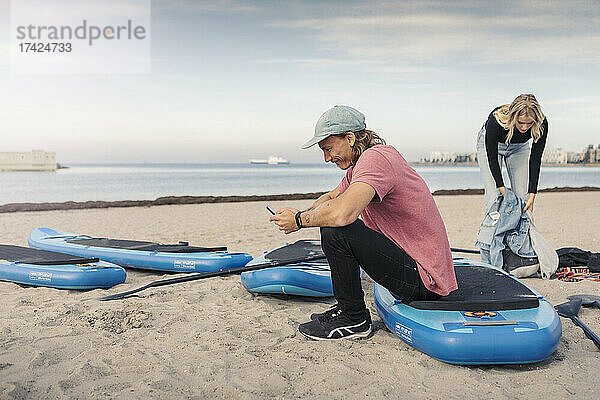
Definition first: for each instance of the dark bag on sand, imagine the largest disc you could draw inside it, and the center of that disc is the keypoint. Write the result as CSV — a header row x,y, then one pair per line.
x,y
520,267
574,257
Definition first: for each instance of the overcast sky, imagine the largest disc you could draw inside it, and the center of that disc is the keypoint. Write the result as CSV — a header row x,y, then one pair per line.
x,y
234,80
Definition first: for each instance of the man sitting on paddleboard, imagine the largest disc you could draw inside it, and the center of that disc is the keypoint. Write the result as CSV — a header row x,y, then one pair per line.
x,y
401,241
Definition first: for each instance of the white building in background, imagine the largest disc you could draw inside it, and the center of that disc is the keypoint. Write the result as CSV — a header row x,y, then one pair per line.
x,y
441,157
591,154
557,156
272,160
446,157
574,158
36,160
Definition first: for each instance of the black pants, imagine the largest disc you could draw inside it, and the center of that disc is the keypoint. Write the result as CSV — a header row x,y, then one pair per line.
x,y
353,246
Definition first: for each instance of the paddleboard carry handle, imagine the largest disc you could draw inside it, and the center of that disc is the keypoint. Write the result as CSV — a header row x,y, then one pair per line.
x,y
489,323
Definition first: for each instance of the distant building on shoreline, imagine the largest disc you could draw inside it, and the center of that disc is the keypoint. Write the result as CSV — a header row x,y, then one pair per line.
x,y
589,155
556,156
272,160
446,157
36,160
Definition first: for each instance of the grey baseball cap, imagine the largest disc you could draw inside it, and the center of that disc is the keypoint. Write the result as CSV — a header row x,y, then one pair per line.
x,y
336,121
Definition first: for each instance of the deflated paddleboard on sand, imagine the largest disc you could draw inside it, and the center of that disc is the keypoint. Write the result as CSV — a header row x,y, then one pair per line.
x,y
302,279
180,257
63,271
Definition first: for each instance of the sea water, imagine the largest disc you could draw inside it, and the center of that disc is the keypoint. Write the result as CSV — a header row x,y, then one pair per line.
x,y
110,182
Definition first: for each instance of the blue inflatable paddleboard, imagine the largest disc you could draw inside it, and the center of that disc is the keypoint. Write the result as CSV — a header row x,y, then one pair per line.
x,y
62,271
138,254
493,318
302,279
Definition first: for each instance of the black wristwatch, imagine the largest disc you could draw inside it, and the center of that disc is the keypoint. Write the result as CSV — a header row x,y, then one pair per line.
x,y
299,220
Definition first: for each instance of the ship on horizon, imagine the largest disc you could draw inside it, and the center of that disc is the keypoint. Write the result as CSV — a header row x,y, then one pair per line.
x,y
272,160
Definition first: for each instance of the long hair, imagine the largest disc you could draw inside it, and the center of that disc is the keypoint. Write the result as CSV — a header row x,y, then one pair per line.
x,y
364,140
525,105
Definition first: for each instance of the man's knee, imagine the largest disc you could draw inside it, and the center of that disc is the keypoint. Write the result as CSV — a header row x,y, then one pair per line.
x,y
329,234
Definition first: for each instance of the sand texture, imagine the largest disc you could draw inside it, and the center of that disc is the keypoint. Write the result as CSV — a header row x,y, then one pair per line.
x,y
213,339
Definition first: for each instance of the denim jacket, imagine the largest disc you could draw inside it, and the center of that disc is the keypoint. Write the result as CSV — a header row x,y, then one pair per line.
x,y
504,224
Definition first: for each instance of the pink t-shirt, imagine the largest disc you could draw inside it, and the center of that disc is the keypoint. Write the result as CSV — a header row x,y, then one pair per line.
x,y
404,211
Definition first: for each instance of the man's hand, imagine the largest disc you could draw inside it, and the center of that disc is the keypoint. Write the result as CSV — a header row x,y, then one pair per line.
x,y
285,219
502,190
529,203
339,211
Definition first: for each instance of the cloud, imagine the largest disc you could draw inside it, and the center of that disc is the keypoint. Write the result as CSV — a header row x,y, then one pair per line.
x,y
589,99
587,109
436,36
363,64
65,10
223,6
309,61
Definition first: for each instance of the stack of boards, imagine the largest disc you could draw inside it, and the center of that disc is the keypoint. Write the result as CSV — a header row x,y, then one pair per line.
x,y
301,279
63,271
179,257
493,318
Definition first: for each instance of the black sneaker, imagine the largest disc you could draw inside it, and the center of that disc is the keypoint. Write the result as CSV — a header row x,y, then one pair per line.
x,y
336,325
333,309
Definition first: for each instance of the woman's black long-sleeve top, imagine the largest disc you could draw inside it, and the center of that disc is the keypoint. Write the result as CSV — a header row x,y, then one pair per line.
x,y
495,133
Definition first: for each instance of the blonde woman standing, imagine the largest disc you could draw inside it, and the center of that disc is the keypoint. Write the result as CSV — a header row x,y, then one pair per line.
x,y
505,137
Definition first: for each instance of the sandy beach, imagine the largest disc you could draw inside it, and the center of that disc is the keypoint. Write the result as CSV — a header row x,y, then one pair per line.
x,y
213,339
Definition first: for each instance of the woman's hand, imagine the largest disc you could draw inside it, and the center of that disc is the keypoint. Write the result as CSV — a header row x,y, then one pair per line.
x,y
502,190
285,219
529,203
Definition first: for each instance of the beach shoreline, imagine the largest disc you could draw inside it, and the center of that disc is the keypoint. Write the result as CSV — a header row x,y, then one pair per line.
x,y
475,164
180,200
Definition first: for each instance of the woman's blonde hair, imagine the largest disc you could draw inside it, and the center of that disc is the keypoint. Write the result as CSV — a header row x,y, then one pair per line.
x,y
364,140
524,105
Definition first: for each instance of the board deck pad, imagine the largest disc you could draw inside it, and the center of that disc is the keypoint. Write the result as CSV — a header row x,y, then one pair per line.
x,y
299,278
180,257
143,245
26,255
299,249
480,289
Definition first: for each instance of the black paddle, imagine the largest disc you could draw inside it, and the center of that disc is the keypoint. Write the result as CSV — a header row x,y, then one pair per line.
x,y
570,309
202,275
587,300
270,264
